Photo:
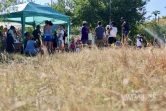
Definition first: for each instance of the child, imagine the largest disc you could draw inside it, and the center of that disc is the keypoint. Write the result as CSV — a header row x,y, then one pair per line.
x,y
77,46
72,46
90,37
139,41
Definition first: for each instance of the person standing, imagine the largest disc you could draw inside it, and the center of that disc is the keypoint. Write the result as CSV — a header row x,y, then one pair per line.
x,y
10,39
36,33
84,33
125,31
112,34
99,34
48,35
60,38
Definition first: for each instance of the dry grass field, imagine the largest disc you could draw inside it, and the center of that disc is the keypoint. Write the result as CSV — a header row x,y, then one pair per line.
x,y
92,80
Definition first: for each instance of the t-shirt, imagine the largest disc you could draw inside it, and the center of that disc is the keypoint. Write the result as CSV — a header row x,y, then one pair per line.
x,y
139,41
126,26
30,47
113,32
62,34
99,32
84,33
36,34
106,33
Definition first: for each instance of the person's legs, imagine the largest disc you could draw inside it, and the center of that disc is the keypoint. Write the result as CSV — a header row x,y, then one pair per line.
x,y
125,38
60,44
99,43
49,47
114,41
84,43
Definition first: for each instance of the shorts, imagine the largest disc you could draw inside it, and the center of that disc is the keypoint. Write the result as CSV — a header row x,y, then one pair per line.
x,y
125,32
60,42
55,44
48,39
111,40
84,41
99,42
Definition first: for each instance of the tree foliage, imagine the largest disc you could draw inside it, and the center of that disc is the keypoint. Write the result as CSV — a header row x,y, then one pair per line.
x,y
99,10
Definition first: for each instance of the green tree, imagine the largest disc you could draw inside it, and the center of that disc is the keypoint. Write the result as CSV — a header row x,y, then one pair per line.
x,y
91,11
64,6
132,10
95,10
99,10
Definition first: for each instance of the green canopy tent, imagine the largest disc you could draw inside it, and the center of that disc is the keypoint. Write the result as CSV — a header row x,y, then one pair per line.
x,y
34,14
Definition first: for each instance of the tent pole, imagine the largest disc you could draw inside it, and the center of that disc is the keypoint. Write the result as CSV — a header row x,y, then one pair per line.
x,y
23,27
68,41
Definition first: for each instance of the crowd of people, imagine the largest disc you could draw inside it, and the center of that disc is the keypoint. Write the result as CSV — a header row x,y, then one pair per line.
x,y
104,37
54,41
33,41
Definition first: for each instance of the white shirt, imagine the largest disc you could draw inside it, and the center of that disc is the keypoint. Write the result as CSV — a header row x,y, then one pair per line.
x,y
113,32
62,34
138,40
106,33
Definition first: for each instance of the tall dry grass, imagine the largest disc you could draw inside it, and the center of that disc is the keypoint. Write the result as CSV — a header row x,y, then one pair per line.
x,y
92,80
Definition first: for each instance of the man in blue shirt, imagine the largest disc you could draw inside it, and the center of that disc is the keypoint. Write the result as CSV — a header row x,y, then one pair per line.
x,y
99,34
84,33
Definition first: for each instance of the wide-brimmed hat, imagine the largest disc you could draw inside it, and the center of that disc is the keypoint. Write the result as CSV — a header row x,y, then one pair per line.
x,y
84,22
138,35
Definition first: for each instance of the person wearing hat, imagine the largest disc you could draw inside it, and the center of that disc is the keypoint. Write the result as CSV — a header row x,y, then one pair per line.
x,y
125,30
139,41
99,34
10,40
112,33
84,33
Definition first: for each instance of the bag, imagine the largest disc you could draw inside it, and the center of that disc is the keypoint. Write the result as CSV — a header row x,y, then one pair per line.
x,y
64,36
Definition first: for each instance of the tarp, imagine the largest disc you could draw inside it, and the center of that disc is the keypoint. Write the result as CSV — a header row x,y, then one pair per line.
x,y
33,14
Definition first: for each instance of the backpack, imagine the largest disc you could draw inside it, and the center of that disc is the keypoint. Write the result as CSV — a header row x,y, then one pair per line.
x,y
65,35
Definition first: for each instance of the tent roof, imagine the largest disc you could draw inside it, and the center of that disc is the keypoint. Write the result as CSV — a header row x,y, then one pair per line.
x,y
33,13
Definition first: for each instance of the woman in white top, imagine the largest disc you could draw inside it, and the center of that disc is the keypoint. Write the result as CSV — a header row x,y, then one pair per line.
x,y
48,35
113,33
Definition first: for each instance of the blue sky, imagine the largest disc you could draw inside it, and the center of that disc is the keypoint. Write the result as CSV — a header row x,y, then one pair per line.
x,y
151,6
156,5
